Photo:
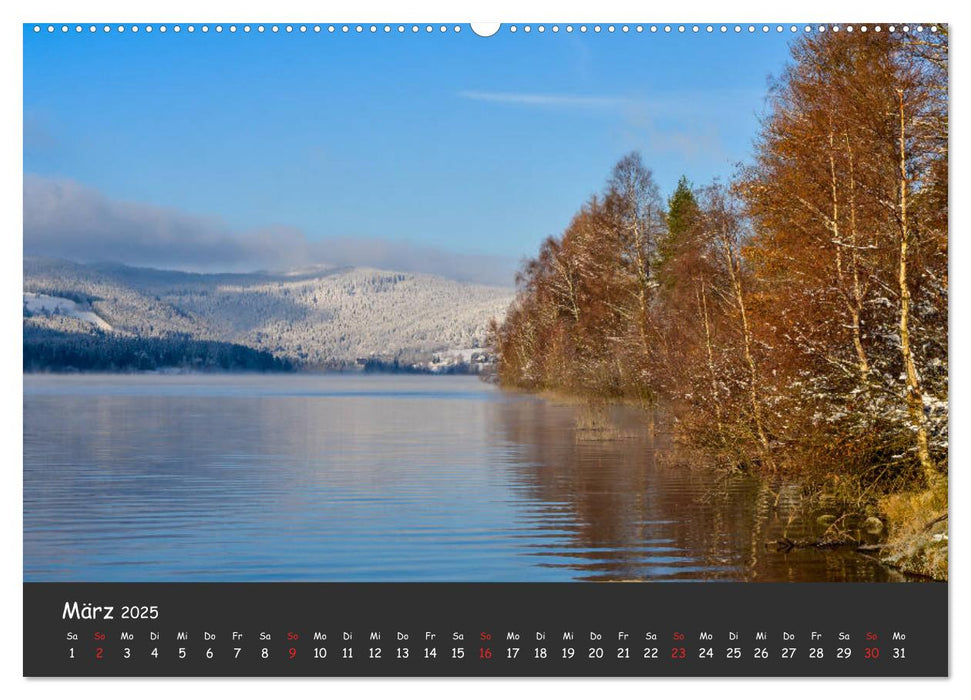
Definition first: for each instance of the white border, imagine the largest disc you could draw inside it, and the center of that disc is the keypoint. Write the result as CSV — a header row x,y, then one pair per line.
x,y
603,11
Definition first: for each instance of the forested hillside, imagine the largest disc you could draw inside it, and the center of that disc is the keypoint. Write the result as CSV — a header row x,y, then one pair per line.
x,y
311,319
66,344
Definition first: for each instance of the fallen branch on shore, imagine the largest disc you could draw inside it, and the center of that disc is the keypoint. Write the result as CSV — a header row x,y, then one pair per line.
x,y
935,521
785,544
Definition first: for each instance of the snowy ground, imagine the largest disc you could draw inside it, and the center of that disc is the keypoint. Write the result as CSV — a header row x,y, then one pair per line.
x,y
43,303
450,358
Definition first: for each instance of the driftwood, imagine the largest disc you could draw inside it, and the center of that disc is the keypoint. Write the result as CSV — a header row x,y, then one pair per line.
x,y
787,545
935,521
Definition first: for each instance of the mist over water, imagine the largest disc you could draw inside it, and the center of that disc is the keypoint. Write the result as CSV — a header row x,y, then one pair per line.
x,y
378,478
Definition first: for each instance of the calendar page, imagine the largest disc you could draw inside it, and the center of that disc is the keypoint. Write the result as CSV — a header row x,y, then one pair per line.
x,y
522,349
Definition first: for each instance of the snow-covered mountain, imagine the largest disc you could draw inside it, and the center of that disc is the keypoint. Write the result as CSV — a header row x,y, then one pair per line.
x,y
312,317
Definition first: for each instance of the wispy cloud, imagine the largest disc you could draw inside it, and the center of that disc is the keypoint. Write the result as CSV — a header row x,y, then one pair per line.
x,y
673,103
547,100
64,219
687,123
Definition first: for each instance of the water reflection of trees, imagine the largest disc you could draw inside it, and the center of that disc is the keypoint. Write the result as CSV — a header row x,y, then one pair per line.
x,y
624,505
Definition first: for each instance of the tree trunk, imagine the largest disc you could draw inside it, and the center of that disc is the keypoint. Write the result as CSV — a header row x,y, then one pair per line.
x,y
703,304
915,397
746,343
856,306
853,303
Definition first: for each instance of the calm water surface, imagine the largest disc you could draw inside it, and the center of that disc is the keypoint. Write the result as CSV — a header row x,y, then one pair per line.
x,y
377,478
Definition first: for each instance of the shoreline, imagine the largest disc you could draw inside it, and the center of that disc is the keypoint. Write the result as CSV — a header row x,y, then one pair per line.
x,y
908,544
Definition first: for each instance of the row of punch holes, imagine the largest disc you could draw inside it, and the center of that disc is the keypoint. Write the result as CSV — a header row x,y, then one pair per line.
x,y
481,30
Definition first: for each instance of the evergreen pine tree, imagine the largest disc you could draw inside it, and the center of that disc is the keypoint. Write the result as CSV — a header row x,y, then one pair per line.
x,y
682,207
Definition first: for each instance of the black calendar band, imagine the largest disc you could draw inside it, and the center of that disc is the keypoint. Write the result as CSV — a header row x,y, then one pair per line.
x,y
497,629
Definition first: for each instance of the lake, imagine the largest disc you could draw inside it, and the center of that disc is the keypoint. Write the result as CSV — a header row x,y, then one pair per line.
x,y
303,477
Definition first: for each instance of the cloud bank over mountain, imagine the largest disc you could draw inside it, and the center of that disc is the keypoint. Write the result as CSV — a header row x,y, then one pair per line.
x,y
65,219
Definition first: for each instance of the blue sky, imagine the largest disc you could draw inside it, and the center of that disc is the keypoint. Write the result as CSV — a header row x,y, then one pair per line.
x,y
426,146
